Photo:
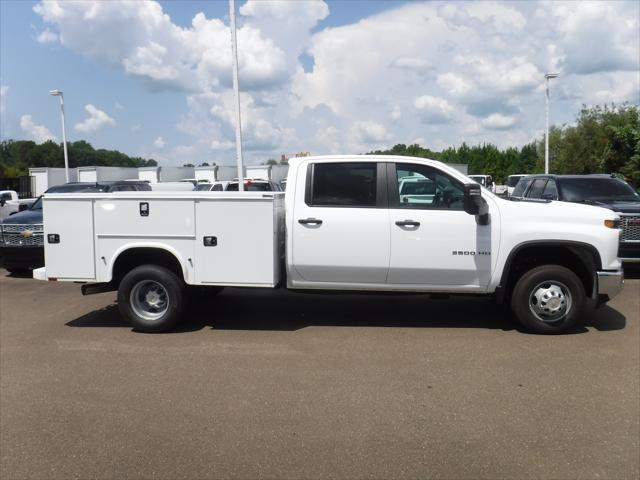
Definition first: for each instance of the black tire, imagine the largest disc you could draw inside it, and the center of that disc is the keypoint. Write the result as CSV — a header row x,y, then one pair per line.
x,y
548,299
155,284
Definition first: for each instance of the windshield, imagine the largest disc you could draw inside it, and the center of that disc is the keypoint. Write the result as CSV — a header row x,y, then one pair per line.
x,y
513,180
597,189
203,187
71,188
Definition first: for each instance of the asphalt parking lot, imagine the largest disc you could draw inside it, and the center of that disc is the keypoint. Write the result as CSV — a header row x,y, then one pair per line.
x,y
289,385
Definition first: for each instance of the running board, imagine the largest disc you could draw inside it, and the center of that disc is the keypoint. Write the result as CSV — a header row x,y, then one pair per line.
x,y
91,288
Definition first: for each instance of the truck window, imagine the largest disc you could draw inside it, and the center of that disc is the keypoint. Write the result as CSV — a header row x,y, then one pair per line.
x,y
521,187
343,184
537,187
550,190
420,186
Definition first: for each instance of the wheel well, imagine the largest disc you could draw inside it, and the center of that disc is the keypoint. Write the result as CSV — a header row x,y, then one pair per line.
x,y
134,257
580,259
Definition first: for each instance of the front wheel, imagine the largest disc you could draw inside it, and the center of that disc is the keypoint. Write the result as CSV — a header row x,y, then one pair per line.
x,y
151,298
548,299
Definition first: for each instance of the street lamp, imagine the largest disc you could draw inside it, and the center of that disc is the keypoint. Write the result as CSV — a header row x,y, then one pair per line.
x,y
547,76
58,93
236,92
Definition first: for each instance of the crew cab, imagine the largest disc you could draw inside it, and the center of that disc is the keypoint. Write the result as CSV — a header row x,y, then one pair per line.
x,y
342,225
21,234
605,191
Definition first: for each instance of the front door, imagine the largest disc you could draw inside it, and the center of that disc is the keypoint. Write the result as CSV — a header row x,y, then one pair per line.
x,y
434,242
341,224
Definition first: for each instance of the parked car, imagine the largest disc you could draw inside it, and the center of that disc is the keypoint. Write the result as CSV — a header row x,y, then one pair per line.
x,y
11,204
21,234
606,191
250,185
485,180
340,226
512,181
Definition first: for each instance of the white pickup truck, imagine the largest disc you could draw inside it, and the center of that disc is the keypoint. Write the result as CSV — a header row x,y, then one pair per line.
x,y
343,224
10,203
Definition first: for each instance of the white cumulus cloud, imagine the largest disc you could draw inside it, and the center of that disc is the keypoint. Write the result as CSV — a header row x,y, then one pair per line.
x,y
4,90
96,120
433,109
497,121
37,133
159,142
47,36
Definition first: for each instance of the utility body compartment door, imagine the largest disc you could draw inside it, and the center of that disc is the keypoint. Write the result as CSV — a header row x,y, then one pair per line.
x,y
72,257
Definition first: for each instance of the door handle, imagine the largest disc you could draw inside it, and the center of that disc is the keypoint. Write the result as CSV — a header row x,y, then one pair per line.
x,y
310,221
407,223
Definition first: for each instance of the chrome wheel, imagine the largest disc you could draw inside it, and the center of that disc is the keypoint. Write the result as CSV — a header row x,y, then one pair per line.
x,y
550,301
149,300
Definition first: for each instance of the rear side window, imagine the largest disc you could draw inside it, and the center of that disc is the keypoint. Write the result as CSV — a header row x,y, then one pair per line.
x,y
344,184
537,188
217,187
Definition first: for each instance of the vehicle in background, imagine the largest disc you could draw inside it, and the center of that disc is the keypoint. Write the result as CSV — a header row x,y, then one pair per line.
x,y
512,181
485,180
344,225
172,186
283,184
607,191
21,234
10,203
194,181
250,185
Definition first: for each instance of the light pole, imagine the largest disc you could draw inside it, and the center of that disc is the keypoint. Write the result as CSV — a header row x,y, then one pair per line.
x,y
58,93
547,76
236,92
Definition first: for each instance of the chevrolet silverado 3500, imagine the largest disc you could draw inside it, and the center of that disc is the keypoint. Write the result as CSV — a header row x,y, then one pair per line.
x,y
345,223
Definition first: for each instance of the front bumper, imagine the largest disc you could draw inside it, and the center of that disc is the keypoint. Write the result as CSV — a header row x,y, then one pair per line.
x,y
21,257
609,284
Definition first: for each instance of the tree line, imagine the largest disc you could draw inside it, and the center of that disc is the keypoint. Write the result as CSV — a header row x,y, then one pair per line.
x,y
17,156
604,139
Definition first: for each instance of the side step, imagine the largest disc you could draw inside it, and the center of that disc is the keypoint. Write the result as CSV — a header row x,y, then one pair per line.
x,y
91,288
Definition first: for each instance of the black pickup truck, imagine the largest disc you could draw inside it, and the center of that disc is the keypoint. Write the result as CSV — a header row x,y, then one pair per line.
x,y
605,191
21,234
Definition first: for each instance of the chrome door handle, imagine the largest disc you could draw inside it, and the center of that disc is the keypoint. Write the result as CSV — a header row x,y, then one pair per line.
x,y
407,223
310,221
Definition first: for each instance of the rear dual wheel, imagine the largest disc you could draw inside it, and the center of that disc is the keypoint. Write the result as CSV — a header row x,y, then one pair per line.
x,y
152,298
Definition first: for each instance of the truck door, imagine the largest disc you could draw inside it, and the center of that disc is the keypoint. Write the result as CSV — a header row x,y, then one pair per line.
x,y
341,223
434,242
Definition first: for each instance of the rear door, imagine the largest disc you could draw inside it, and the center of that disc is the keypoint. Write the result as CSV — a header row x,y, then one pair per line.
x,y
341,223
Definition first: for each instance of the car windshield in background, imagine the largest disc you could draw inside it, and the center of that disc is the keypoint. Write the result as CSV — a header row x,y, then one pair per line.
x,y
513,181
480,180
597,189
37,205
250,187
203,187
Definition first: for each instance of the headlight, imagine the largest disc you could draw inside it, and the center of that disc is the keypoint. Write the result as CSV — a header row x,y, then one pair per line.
x,y
612,223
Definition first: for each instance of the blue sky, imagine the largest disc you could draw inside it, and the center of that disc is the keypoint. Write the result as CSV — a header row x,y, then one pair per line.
x,y
152,78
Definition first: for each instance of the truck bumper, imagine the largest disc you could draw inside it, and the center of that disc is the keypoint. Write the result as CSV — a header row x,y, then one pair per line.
x,y
609,284
21,257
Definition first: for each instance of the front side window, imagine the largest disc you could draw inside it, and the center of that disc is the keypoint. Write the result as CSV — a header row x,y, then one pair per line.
x,y
344,184
550,190
521,187
537,187
420,186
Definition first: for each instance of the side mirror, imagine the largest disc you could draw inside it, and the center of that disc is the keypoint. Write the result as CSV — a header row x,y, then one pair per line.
x,y
472,198
474,204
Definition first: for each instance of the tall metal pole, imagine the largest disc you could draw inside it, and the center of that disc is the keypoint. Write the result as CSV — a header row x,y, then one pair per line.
x,y
546,134
236,94
64,139
547,77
